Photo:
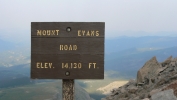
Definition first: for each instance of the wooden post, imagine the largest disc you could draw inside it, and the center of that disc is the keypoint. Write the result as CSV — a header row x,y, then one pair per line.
x,y
68,89
52,52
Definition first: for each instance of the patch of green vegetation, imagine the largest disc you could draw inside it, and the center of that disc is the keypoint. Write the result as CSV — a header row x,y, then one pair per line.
x,y
41,91
30,92
15,82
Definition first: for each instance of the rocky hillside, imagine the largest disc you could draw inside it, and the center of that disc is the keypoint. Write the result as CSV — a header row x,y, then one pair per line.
x,y
155,81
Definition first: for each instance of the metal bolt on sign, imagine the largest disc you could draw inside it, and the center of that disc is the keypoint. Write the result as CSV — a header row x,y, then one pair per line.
x,y
67,51
68,84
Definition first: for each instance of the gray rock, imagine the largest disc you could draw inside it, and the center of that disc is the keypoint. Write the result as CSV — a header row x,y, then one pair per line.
x,y
146,99
154,91
164,95
132,89
122,90
150,70
167,61
153,82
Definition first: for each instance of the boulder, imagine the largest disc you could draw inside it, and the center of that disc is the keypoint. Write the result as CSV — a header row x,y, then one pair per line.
x,y
173,86
122,90
132,89
150,70
154,91
164,95
136,98
167,61
154,82
146,99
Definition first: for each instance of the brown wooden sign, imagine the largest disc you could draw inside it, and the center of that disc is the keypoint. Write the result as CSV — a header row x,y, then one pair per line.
x,y
67,50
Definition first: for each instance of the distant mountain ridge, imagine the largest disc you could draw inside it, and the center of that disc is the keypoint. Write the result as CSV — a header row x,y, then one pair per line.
x,y
17,78
125,55
127,63
14,53
111,45
136,50
123,43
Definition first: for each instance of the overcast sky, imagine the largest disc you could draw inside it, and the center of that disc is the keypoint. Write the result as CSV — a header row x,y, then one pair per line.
x,y
121,17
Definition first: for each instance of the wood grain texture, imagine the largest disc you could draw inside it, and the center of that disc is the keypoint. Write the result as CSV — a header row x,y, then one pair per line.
x,y
61,26
52,45
47,58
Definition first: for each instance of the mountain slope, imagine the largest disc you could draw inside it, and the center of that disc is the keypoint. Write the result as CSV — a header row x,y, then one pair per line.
x,y
129,62
41,91
124,43
155,81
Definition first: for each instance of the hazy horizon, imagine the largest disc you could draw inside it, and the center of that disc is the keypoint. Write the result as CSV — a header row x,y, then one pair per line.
x,y
122,18
124,52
